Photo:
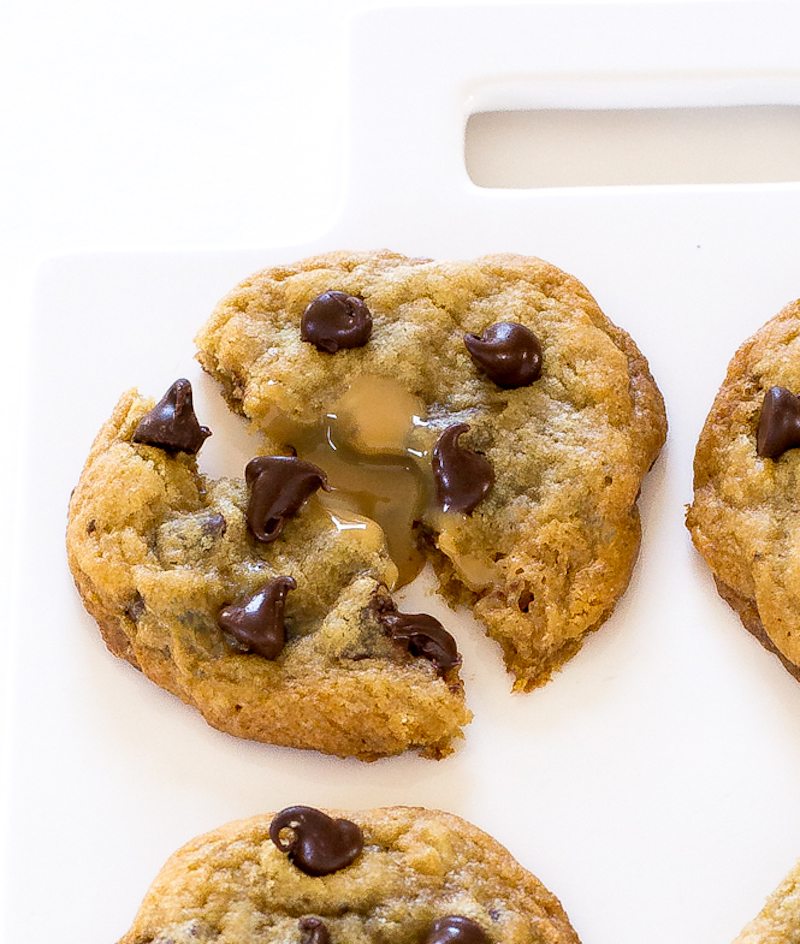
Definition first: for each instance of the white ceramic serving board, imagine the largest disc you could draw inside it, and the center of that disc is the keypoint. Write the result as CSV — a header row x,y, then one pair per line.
x,y
653,784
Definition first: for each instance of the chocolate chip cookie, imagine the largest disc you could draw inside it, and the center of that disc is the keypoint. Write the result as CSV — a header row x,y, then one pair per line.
x,y
486,414
779,920
744,518
312,877
249,599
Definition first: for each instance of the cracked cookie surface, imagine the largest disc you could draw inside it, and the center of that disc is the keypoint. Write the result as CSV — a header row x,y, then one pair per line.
x,y
544,557
233,885
744,519
157,550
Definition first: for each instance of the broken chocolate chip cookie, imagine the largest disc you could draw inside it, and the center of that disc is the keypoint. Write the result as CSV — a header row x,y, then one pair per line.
x,y
492,420
249,599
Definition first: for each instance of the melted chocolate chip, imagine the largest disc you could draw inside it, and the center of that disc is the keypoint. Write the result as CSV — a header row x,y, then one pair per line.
x,y
456,929
508,353
318,844
279,487
463,477
314,931
257,623
423,636
171,424
779,424
335,320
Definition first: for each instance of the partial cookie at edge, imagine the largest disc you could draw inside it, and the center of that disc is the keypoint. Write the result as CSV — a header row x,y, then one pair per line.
x,y
779,920
742,519
233,885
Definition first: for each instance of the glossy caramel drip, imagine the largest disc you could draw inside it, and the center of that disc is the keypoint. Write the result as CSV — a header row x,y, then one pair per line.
x,y
373,447
377,415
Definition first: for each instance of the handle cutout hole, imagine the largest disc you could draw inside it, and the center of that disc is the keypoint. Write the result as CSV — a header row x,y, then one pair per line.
x,y
638,146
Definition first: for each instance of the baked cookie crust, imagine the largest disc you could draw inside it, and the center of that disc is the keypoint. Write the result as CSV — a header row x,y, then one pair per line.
x,y
558,535
417,865
744,519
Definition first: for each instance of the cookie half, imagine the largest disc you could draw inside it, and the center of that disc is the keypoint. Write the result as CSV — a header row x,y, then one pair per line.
x,y
293,641
744,519
542,545
398,874
779,920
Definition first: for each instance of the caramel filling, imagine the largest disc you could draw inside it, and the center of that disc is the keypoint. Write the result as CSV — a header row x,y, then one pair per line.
x,y
374,445
372,449
376,415
390,493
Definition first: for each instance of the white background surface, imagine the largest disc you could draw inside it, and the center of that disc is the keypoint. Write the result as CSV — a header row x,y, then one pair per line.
x,y
656,774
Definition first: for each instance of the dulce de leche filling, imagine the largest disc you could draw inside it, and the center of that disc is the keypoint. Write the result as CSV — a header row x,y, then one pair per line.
x,y
375,446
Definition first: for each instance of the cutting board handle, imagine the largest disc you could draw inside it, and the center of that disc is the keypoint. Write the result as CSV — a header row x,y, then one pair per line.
x,y
418,73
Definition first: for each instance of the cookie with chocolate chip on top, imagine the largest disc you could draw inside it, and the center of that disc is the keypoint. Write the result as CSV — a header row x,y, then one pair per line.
x,y
498,423
744,519
249,599
310,876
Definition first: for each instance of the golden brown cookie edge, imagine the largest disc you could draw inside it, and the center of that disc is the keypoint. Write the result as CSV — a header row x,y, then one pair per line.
x,y
737,373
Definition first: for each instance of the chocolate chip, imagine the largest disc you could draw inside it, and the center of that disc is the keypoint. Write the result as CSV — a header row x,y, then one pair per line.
x,y
463,477
423,636
336,320
779,424
318,844
171,424
508,353
279,487
257,623
457,929
314,931
91,527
